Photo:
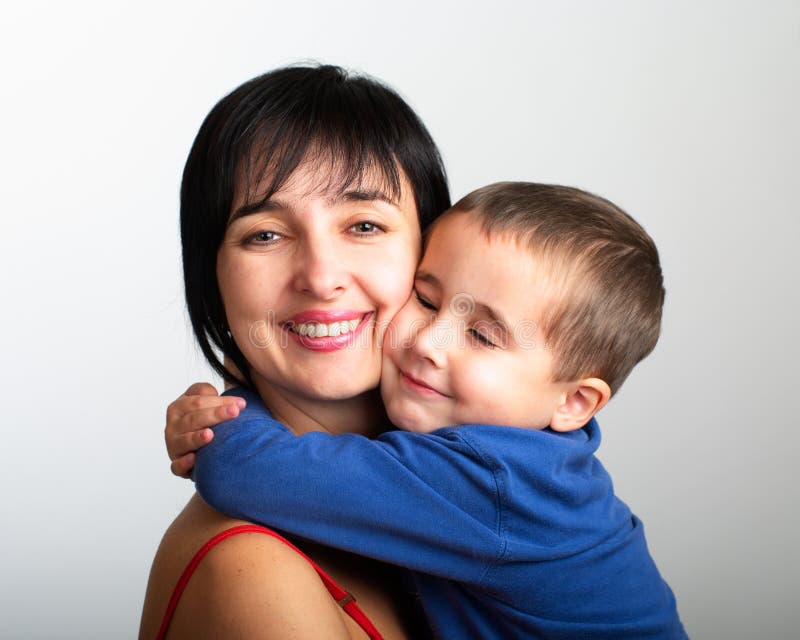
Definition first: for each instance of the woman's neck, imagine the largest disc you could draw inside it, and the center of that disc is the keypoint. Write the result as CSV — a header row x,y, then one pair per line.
x,y
362,414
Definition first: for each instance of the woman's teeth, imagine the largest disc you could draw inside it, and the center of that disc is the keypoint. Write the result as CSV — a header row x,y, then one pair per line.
x,y
319,330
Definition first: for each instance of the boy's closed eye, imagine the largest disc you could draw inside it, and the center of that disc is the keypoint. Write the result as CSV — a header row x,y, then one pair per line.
x,y
482,332
426,304
482,336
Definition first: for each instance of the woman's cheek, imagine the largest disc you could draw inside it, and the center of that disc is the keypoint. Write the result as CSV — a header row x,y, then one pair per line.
x,y
392,283
244,295
400,328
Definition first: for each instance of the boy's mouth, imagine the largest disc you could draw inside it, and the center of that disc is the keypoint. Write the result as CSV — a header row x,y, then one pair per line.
x,y
420,386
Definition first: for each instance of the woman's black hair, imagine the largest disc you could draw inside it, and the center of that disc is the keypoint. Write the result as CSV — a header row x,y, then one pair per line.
x,y
265,129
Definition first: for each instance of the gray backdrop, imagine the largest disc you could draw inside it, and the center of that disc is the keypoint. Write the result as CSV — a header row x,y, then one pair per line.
x,y
685,113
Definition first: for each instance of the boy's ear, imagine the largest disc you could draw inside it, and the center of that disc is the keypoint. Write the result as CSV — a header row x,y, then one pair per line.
x,y
578,404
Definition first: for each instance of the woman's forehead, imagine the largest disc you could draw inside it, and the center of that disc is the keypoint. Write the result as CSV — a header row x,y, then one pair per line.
x,y
321,177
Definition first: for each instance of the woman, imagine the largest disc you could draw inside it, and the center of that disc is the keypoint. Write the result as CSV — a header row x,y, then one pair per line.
x,y
303,200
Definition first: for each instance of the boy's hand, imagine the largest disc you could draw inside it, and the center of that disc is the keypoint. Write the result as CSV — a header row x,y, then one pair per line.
x,y
188,419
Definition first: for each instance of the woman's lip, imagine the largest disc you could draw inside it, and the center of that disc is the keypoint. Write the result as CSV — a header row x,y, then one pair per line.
x,y
328,343
420,386
326,317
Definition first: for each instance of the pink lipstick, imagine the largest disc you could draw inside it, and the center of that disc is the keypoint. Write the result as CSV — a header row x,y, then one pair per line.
x,y
326,331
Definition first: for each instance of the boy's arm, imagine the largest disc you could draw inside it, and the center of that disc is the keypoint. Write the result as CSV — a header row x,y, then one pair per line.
x,y
188,419
426,502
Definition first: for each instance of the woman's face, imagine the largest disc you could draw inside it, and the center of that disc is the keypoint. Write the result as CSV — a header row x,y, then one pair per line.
x,y
311,280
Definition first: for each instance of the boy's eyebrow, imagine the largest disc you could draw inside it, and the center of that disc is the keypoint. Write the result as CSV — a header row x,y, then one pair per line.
x,y
494,315
274,204
427,276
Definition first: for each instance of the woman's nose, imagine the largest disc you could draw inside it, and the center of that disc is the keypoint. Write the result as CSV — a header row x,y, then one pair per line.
x,y
320,270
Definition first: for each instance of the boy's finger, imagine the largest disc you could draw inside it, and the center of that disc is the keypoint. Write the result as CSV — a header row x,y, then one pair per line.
x,y
201,389
183,465
181,444
202,418
191,432
200,438
178,445
197,389
185,405
195,403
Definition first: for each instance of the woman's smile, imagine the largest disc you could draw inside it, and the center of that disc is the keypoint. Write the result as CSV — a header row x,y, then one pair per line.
x,y
327,330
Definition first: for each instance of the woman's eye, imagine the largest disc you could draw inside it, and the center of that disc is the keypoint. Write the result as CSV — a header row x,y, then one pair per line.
x,y
424,303
482,339
263,237
365,228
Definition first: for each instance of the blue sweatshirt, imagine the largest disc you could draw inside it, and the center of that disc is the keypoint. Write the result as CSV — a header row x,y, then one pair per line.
x,y
510,533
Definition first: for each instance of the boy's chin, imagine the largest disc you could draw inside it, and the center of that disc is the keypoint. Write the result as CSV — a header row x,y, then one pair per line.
x,y
414,419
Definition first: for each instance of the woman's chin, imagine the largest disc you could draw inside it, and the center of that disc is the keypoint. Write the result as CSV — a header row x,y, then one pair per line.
x,y
320,385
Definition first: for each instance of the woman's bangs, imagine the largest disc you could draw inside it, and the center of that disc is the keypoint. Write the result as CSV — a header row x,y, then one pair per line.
x,y
339,161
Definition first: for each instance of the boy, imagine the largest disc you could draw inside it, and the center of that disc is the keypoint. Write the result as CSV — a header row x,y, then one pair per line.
x,y
532,303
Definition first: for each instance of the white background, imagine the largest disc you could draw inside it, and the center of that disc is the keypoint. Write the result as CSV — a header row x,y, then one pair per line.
x,y
687,114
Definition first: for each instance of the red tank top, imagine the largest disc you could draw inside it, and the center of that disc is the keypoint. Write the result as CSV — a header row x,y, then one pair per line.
x,y
342,597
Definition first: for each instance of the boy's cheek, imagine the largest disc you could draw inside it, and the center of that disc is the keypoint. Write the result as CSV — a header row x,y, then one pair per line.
x,y
479,388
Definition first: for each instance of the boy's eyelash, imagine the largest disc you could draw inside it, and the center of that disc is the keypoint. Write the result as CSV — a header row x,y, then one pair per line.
x,y
482,338
477,335
424,303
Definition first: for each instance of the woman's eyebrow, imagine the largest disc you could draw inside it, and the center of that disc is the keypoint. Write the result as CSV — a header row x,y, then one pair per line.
x,y
264,206
365,195
273,204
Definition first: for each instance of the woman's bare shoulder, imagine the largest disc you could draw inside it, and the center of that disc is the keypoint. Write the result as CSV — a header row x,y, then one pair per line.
x,y
252,586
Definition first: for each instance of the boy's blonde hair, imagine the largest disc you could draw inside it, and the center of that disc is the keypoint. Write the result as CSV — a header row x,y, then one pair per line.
x,y
608,288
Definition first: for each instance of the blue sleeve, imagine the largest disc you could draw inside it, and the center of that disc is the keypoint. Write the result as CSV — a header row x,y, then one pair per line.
x,y
427,502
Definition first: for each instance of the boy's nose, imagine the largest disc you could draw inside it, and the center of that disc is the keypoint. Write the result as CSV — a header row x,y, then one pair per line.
x,y
432,341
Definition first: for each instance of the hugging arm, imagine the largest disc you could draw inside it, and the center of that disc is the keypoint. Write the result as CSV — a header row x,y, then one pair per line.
x,y
188,420
425,502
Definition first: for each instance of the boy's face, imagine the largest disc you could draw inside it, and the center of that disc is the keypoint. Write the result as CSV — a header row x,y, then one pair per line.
x,y
467,347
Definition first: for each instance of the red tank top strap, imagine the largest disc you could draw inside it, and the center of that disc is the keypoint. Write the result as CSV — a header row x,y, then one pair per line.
x,y
342,597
